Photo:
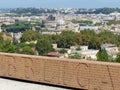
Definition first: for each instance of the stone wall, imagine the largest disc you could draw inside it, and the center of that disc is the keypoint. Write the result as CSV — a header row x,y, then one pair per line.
x,y
86,75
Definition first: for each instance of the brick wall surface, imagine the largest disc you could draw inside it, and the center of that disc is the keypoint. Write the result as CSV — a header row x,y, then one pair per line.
x,y
81,74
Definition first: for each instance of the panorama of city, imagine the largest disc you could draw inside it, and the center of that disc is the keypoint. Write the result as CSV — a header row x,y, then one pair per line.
x,y
60,45
83,34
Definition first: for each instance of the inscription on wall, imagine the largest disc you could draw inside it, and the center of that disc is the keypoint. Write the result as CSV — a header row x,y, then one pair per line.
x,y
70,73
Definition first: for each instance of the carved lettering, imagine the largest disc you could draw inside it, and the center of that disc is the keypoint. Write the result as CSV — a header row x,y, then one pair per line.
x,y
20,66
76,74
29,73
8,66
100,74
11,66
83,75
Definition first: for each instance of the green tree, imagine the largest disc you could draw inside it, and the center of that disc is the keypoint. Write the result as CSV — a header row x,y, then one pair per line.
x,y
106,37
78,38
102,56
76,56
95,43
27,50
98,24
88,32
1,37
118,58
3,27
55,38
88,22
17,27
63,51
78,49
44,46
36,24
67,39
113,22
8,47
29,35
88,38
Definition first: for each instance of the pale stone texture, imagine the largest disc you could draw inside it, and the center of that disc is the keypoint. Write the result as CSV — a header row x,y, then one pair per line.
x,y
6,84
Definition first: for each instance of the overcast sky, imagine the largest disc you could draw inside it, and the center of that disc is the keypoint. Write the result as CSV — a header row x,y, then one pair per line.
x,y
59,3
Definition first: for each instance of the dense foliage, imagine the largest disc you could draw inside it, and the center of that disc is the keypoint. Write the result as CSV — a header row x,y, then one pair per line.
x,y
86,22
20,26
118,58
27,50
102,56
34,42
67,39
17,27
29,35
113,22
43,46
76,56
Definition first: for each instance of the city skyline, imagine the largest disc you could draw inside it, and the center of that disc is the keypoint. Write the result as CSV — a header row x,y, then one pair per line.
x,y
59,4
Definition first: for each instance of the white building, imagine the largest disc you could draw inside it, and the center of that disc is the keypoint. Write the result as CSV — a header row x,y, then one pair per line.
x,y
112,50
85,53
84,48
89,27
88,54
72,50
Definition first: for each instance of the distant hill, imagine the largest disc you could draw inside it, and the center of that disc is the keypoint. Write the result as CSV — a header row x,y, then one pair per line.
x,y
5,10
35,11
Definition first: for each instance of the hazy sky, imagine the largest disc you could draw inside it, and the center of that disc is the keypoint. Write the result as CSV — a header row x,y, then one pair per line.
x,y
59,3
